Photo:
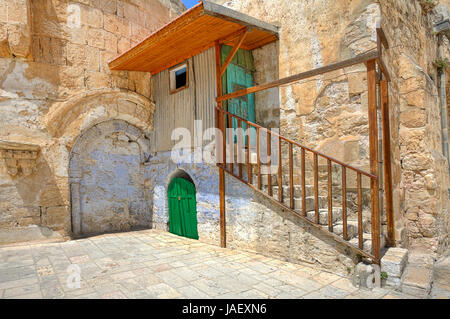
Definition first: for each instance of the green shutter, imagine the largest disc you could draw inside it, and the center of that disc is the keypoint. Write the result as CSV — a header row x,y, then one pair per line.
x,y
239,75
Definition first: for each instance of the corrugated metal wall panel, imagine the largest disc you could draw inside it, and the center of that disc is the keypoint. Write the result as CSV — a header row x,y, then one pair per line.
x,y
205,72
180,109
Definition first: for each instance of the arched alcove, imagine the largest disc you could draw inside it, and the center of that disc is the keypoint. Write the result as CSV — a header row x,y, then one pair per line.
x,y
107,180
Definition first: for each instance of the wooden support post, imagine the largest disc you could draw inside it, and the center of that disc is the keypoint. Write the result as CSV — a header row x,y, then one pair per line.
x,y
269,164
344,203
387,161
291,177
280,173
316,187
258,159
233,52
223,233
373,146
330,196
223,242
303,182
360,222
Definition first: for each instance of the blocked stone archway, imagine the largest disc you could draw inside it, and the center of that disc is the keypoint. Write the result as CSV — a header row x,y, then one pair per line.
x,y
69,118
106,179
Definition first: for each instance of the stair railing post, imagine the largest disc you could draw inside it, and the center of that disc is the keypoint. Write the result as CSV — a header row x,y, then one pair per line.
x,y
373,149
221,126
384,88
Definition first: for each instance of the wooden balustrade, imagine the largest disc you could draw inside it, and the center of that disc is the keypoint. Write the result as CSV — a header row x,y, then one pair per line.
x,y
371,60
244,134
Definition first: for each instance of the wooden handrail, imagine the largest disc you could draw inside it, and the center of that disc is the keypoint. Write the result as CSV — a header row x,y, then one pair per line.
x,y
377,74
227,117
259,127
362,58
310,222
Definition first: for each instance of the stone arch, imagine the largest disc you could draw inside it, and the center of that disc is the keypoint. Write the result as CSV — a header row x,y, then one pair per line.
x,y
106,165
179,172
69,118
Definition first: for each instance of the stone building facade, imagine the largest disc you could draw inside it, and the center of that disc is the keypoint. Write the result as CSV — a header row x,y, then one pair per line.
x,y
330,114
56,84
73,131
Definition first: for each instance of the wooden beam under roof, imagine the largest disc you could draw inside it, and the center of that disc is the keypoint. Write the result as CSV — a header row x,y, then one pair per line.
x,y
192,32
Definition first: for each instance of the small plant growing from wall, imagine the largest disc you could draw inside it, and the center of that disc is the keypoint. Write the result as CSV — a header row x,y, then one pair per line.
x,y
441,64
428,5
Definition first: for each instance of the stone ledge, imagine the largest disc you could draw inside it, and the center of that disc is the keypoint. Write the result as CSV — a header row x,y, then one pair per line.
x,y
19,157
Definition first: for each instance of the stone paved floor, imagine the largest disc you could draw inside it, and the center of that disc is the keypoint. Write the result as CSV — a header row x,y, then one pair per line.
x,y
156,264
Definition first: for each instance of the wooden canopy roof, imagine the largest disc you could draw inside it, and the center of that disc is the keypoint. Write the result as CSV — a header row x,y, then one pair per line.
x,y
191,33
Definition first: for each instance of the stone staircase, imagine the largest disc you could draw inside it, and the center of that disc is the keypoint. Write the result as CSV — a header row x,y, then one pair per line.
x,y
352,221
411,272
321,175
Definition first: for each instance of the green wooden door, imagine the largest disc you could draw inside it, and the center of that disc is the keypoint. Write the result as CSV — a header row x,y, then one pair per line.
x,y
182,208
238,76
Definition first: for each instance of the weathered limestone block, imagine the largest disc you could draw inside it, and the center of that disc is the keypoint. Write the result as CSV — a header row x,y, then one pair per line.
x,y
3,11
417,281
4,45
15,29
57,217
394,261
357,83
19,40
413,118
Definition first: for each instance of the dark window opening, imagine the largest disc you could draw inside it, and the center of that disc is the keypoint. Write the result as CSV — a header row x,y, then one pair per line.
x,y
178,78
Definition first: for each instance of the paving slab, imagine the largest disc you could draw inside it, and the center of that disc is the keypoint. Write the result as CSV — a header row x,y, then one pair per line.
x,y
156,264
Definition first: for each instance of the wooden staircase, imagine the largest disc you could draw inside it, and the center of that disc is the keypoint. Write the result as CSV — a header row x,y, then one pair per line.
x,y
327,193
331,195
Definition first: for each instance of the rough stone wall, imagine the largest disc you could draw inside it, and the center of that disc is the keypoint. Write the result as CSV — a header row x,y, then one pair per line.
x,y
329,113
55,83
420,170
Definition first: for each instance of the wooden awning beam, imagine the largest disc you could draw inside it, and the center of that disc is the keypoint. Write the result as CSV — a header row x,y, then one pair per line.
x,y
233,52
372,55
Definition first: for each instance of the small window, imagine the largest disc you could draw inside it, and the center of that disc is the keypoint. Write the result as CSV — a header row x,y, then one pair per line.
x,y
178,77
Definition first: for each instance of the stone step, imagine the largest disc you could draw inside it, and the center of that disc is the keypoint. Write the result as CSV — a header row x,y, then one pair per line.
x,y
393,264
310,200
418,274
352,229
367,241
441,278
323,215
309,190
